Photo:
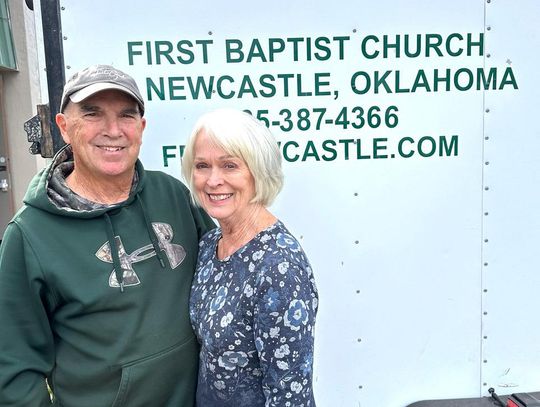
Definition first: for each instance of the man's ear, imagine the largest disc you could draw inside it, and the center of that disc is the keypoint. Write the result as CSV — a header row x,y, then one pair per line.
x,y
61,122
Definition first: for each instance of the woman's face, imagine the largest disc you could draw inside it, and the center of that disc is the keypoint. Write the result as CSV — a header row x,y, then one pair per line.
x,y
223,183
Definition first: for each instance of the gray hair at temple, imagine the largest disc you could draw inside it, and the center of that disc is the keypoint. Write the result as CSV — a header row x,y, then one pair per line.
x,y
240,135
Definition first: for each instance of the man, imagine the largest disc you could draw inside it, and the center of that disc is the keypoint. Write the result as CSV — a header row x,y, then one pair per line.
x,y
96,268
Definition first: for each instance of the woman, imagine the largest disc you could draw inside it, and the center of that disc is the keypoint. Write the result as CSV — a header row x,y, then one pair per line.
x,y
253,300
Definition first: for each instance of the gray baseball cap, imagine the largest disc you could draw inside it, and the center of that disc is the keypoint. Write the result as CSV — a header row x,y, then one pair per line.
x,y
96,78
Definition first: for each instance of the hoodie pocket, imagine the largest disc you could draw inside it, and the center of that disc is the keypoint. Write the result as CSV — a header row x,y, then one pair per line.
x,y
167,378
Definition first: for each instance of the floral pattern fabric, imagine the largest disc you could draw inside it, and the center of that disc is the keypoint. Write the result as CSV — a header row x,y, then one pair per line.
x,y
254,315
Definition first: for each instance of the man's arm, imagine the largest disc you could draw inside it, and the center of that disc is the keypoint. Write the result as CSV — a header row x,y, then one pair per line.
x,y
26,341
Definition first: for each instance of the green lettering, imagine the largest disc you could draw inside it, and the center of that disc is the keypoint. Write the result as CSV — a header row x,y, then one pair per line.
x,y
401,152
310,151
233,47
437,79
267,82
432,147
219,87
320,46
346,143
469,78
319,83
200,83
256,51
163,48
421,82
377,147
399,89
433,41
381,81
159,90
328,146
132,52
190,56
365,54
286,151
247,87
449,39
479,44
508,79
276,45
354,83
176,83
446,149
167,155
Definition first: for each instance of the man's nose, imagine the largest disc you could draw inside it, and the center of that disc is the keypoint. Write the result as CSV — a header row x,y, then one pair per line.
x,y
113,127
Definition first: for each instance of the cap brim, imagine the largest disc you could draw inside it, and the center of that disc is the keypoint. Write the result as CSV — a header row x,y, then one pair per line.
x,y
90,90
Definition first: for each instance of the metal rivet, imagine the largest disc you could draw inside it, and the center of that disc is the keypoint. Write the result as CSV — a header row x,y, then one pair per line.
x,y
354,30
485,361
488,28
486,188
489,1
62,8
360,387
485,384
485,290
486,213
485,264
68,67
485,336
486,138
356,194
487,110
485,312
357,291
487,162
486,240
210,32
488,55
356,242
359,340
65,38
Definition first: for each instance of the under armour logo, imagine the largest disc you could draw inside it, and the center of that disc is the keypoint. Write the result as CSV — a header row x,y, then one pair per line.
x,y
175,254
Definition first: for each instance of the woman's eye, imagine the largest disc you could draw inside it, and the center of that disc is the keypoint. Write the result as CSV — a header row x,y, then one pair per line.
x,y
199,166
230,165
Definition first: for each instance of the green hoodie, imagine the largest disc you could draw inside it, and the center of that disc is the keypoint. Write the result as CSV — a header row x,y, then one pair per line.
x,y
101,337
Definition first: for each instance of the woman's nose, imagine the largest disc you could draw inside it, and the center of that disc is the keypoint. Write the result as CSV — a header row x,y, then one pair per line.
x,y
215,179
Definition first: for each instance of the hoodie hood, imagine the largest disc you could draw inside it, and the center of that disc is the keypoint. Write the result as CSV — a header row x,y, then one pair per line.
x,y
39,191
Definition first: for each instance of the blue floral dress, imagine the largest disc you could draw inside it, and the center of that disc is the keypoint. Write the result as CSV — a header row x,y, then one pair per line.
x,y
254,315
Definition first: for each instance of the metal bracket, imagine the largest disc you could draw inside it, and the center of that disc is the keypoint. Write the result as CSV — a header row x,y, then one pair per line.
x,y
38,132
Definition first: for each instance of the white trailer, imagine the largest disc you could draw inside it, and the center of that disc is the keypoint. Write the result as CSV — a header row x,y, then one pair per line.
x,y
410,137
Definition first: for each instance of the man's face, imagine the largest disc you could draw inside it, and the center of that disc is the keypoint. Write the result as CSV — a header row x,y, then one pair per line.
x,y
105,131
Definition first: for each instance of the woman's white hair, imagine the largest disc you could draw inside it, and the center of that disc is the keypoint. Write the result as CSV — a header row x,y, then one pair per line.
x,y
240,135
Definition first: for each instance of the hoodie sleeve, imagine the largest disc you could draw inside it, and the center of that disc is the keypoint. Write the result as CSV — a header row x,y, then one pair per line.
x,y
26,341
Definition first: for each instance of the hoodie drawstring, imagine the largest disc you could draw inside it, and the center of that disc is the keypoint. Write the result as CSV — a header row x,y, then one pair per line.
x,y
114,252
118,271
151,233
